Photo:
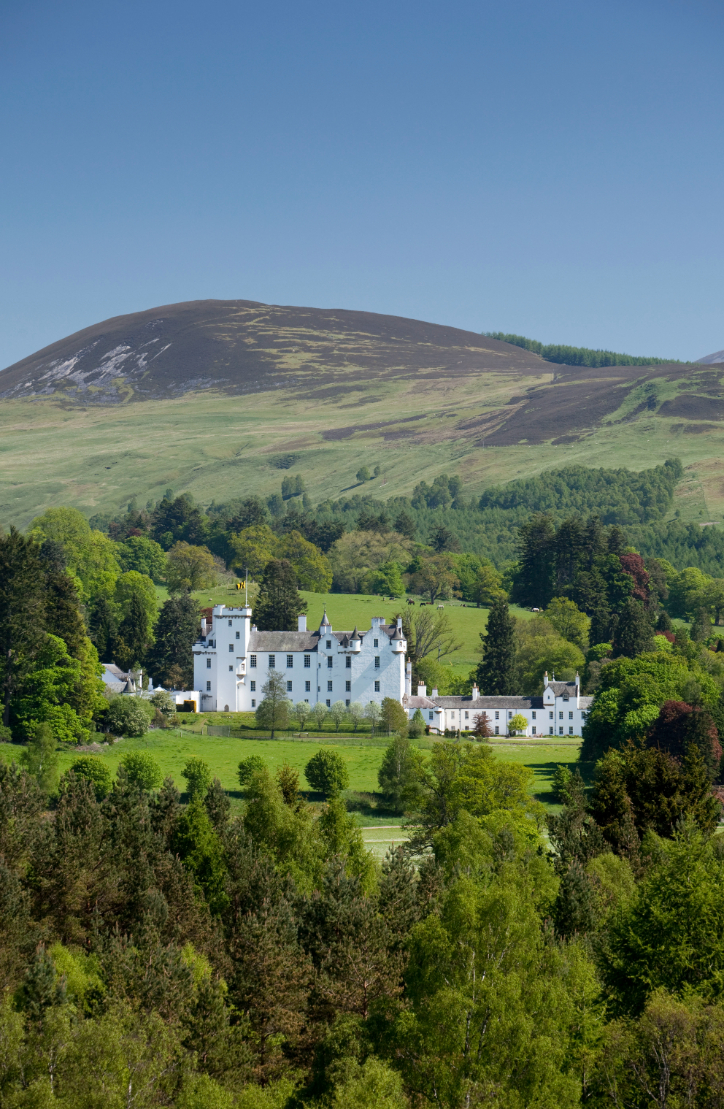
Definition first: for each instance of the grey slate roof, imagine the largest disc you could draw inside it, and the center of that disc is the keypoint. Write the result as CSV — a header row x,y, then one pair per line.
x,y
481,703
278,642
559,688
420,703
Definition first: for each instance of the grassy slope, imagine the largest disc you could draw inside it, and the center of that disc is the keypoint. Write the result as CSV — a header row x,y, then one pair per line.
x,y
221,447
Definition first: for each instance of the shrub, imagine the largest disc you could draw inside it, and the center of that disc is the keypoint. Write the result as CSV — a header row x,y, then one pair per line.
x,y
142,770
128,716
94,770
198,777
327,772
248,768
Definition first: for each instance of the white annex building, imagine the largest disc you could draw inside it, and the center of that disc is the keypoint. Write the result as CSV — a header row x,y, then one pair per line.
x,y
561,710
232,661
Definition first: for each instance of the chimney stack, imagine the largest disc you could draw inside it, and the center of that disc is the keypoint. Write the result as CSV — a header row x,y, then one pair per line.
x,y
476,692
422,690
434,694
545,680
301,623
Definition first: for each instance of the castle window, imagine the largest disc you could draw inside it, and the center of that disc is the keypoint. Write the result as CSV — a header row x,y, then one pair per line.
x,y
272,662
377,687
347,702
208,687
329,644
550,715
497,716
533,715
229,623
430,715
497,730
238,635
348,687
348,662
560,715
289,687
376,643
252,661
252,686
231,648
208,664
307,661
570,715
253,703
330,662
534,729
377,662
290,660
329,687
570,731
231,666
327,702
307,687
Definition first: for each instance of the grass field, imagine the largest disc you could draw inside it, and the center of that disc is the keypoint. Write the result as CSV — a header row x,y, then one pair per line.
x,y
171,749
218,447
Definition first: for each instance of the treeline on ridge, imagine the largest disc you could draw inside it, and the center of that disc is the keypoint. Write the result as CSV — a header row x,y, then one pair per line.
x,y
575,356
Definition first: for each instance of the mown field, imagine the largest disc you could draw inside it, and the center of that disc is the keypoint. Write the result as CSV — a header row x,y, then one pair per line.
x,y
171,749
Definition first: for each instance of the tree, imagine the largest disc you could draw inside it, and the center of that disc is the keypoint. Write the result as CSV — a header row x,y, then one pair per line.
x,y
198,777
434,577
103,627
312,568
169,660
327,772
319,714
248,767
288,780
127,716
253,547
94,770
273,711
372,713
517,723
386,579
568,621
22,614
482,728
428,634
301,711
140,553
177,520
338,711
142,770
634,633
535,575
189,568
90,556
40,758
279,603
416,727
487,585
356,713
400,774
394,717
496,671
441,539
363,474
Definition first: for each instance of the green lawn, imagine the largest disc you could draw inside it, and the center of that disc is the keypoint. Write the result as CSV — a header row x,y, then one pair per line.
x,y
172,748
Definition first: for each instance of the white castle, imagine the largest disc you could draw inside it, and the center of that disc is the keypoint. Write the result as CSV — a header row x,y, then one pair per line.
x,y
232,661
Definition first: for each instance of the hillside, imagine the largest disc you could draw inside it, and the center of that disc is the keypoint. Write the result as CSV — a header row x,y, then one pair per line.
x,y
218,397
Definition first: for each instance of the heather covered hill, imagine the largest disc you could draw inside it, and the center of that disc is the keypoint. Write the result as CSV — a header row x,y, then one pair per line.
x,y
241,346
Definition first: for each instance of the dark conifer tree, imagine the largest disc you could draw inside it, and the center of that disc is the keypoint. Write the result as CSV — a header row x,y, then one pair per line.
x,y
633,632
496,670
62,606
133,634
169,660
279,604
534,585
103,628
22,613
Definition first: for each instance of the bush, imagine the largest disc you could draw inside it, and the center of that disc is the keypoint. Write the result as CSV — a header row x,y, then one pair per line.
x,y
562,778
142,770
94,770
416,727
248,768
327,772
129,716
164,703
198,777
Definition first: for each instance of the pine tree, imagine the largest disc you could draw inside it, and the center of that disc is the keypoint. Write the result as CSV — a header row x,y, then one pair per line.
x,y
535,576
22,613
133,634
170,661
633,633
496,671
103,628
279,603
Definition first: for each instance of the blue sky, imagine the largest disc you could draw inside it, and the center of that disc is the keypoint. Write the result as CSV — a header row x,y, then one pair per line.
x,y
550,167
